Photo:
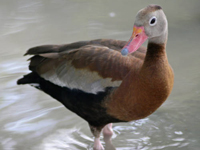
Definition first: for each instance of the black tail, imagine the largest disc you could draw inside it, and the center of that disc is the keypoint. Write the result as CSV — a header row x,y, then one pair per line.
x,y
29,78
38,82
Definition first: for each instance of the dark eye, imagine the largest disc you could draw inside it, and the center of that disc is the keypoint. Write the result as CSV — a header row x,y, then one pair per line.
x,y
153,21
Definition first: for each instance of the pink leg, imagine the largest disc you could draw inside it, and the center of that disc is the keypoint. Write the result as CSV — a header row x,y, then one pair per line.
x,y
96,131
97,144
108,131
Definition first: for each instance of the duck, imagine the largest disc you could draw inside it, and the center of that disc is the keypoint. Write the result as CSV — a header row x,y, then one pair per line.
x,y
107,81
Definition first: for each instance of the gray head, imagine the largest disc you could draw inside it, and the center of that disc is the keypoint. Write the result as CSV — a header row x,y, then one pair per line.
x,y
150,23
154,21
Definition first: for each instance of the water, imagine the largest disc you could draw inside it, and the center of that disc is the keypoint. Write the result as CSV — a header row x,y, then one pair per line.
x,y
31,120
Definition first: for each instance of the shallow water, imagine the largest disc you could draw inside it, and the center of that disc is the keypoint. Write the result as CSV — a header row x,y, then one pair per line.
x,y
31,120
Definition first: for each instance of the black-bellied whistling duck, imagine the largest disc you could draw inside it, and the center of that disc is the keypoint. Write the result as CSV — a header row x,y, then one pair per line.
x,y
93,79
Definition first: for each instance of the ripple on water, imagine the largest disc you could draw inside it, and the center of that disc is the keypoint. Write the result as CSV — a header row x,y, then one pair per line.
x,y
63,139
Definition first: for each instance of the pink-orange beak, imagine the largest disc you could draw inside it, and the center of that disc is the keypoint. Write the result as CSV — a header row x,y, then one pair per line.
x,y
138,37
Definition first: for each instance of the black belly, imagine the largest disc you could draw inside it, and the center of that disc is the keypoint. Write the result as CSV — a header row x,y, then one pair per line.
x,y
88,106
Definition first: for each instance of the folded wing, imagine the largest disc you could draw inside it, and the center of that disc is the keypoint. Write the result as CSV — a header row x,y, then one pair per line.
x,y
90,66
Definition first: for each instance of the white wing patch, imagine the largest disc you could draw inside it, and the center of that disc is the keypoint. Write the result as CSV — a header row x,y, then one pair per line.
x,y
66,75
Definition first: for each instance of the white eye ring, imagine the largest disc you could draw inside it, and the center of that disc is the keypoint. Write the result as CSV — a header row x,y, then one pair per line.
x,y
153,21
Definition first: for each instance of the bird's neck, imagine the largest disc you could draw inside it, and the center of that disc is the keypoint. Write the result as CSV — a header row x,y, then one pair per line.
x,y
155,52
156,49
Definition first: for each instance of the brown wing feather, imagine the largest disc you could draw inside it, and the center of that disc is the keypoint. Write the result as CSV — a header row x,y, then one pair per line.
x,y
91,65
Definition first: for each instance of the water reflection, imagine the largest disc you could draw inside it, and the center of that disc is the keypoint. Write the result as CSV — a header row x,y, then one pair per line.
x,y
32,120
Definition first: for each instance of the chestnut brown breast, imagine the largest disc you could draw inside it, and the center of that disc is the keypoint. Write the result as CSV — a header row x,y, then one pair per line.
x,y
144,89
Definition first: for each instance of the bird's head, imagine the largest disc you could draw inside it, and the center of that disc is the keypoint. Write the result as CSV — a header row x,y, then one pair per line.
x,y
150,23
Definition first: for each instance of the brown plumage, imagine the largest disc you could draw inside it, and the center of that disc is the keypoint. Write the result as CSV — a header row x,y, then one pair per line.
x,y
92,56
150,86
93,79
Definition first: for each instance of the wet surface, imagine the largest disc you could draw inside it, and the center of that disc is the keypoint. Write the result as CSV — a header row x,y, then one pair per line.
x,y
30,119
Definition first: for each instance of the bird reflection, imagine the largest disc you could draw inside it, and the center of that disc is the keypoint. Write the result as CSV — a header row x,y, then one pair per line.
x,y
108,143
